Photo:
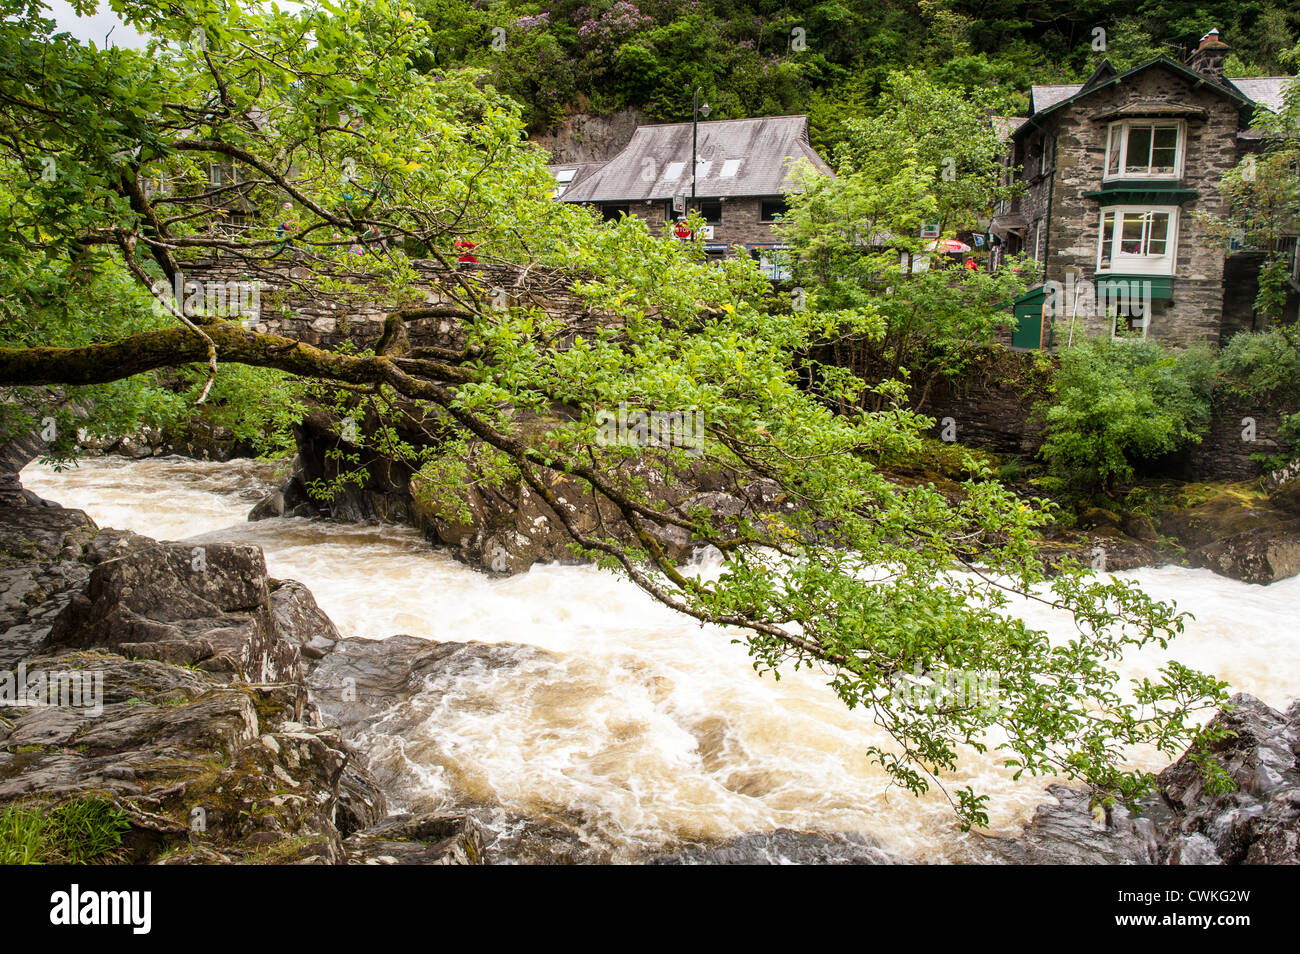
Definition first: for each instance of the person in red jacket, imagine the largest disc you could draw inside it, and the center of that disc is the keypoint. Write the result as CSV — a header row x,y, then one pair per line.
x,y
467,250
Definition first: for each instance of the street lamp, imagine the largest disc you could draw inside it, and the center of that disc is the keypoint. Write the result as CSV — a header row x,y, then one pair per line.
x,y
697,111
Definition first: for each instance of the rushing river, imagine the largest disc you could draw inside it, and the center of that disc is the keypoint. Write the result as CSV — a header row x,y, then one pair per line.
x,y
647,727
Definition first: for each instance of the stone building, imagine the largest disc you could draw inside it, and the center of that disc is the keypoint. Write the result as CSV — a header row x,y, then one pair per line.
x,y
743,173
1115,171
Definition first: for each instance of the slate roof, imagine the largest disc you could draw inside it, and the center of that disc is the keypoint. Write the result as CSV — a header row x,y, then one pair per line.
x,y
569,174
1044,97
737,157
1268,90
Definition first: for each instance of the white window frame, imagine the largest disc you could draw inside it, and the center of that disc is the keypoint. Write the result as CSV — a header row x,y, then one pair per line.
x,y
1121,128
1115,318
1127,263
1114,329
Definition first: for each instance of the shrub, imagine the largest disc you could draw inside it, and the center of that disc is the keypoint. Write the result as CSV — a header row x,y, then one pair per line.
x,y
1116,403
1264,366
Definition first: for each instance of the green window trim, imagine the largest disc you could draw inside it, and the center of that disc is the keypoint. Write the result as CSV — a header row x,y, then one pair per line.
x,y
1131,192
1162,286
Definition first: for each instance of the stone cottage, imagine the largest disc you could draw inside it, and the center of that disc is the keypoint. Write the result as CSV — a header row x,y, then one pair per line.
x,y
1115,170
742,175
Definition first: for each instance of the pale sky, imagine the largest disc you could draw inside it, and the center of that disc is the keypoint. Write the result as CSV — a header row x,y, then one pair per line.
x,y
98,26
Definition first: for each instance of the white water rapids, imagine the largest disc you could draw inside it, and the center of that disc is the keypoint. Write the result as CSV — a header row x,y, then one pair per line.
x,y
649,728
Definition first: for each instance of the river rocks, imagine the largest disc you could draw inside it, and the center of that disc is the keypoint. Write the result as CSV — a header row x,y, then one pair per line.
x,y
1235,530
205,605
785,847
1255,556
1183,823
1259,822
232,767
1107,550
427,839
1232,529
361,680
1069,832
506,527
301,620
46,553
223,759
323,450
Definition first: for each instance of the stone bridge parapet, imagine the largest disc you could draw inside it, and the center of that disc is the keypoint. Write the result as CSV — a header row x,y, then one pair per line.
x,y
300,307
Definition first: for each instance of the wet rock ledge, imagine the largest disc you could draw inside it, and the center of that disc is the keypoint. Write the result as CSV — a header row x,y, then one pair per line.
x,y
1257,823
190,713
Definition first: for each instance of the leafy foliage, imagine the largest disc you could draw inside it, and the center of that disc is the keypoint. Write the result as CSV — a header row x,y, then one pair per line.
x,y
880,300
341,128
602,55
1264,366
85,830
1117,403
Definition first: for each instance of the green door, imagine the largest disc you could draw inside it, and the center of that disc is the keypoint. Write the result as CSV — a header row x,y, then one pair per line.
x,y
1028,310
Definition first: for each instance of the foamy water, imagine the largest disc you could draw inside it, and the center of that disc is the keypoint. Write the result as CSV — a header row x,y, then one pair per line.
x,y
645,726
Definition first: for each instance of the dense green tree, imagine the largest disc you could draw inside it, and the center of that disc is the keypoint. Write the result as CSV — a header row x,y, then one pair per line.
x,y
879,293
324,111
1115,404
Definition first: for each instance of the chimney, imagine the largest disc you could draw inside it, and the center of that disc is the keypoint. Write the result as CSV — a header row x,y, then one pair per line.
x,y
1209,56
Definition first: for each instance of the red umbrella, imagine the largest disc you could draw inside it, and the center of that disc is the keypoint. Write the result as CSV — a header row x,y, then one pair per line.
x,y
947,245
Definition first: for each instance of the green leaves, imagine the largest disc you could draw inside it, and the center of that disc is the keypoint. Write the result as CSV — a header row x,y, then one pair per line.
x,y
1117,403
322,147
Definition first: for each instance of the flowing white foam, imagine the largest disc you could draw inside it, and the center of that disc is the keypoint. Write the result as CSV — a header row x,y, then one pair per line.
x,y
645,726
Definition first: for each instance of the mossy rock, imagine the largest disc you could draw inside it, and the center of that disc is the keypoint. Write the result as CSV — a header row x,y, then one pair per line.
x,y
1101,520
1203,513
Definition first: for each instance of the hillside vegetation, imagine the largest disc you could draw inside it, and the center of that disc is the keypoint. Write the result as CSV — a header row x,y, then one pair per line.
x,y
829,58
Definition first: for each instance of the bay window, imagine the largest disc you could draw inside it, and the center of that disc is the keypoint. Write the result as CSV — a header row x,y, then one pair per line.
x,y
1138,240
1145,149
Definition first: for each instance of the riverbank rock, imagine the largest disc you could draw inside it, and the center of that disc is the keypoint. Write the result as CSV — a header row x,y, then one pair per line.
x,y
1183,823
1236,530
383,495
1255,556
1106,550
246,772
785,847
172,686
207,606
507,527
429,839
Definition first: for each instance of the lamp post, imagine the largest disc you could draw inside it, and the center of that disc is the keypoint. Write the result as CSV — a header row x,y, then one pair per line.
x,y
696,112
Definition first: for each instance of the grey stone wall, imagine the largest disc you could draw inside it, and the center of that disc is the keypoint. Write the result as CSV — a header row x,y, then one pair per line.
x,y
991,407
1225,452
327,320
